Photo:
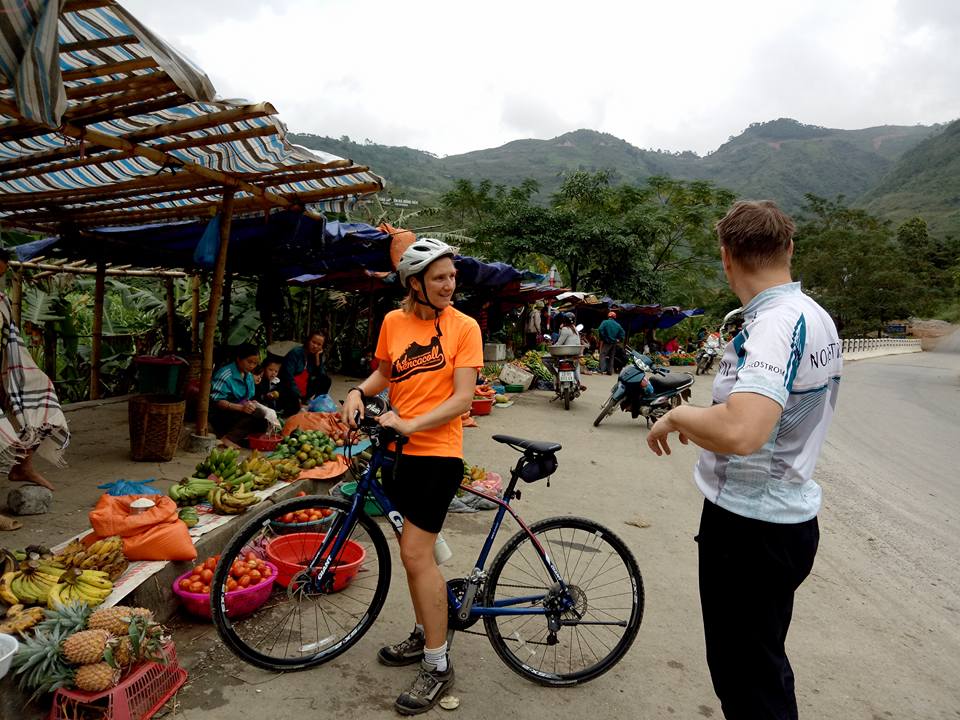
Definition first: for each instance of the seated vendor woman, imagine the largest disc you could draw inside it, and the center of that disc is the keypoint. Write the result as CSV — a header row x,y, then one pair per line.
x,y
233,412
302,376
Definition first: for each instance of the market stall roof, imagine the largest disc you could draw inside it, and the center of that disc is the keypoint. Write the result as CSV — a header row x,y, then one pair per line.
x,y
102,123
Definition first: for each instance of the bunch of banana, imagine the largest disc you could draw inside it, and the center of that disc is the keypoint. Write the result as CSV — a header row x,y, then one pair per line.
x,y
105,554
231,503
189,516
286,469
32,583
19,619
220,462
472,473
8,561
86,586
246,481
190,491
264,470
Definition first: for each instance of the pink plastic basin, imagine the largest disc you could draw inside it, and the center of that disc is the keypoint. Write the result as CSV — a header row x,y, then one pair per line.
x,y
240,602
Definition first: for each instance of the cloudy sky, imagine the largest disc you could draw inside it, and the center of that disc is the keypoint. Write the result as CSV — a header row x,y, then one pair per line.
x,y
450,76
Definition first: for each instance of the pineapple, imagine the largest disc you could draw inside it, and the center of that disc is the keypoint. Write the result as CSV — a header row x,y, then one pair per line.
x,y
116,619
121,654
39,663
95,677
70,618
86,646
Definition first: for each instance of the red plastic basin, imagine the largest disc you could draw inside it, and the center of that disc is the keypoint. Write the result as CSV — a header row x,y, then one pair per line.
x,y
481,407
291,553
240,602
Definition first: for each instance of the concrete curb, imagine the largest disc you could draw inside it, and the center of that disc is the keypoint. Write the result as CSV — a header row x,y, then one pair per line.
x,y
880,352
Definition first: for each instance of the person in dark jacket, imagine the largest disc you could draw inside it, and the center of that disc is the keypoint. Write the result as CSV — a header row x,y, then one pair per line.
x,y
611,333
302,375
268,382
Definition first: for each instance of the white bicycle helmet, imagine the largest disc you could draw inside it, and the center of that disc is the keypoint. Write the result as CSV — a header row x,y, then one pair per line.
x,y
419,255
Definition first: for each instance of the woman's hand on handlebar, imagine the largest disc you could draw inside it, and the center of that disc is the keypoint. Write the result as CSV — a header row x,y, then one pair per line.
x,y
352,409
393,421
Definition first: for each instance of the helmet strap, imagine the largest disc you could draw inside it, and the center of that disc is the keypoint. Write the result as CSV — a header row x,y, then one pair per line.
x,y
425,300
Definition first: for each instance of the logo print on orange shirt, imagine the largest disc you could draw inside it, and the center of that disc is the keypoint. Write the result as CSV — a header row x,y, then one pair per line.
x,y
418,358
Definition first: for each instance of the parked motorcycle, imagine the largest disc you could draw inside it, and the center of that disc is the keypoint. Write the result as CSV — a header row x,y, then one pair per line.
x,y
565,360
645,389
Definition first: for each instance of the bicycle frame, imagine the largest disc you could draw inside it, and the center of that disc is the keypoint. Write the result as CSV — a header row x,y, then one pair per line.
x,y
339,532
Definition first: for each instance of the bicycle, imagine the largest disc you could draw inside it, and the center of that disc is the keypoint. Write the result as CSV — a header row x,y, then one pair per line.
x,y
550,626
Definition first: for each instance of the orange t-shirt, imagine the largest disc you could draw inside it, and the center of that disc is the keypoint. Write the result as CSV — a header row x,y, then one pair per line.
x,y
421,371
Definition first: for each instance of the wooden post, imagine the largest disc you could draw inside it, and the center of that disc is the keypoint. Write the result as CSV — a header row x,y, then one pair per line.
x,y
210,322
171,315
96,346
195,314
18,297
309,328
50,351
225,315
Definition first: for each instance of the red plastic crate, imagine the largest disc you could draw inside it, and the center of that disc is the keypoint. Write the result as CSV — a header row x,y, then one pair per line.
x,y
137,697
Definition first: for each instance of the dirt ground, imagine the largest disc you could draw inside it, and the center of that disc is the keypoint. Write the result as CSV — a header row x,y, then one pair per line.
x,y
875,632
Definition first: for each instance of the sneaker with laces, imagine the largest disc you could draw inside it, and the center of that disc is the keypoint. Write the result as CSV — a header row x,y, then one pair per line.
x,y
405,652
426,691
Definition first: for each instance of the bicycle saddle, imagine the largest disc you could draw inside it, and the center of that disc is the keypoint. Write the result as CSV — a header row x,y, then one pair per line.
x,y
537,446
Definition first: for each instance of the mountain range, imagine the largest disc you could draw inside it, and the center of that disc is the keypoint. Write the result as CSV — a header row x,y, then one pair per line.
x,y
896,171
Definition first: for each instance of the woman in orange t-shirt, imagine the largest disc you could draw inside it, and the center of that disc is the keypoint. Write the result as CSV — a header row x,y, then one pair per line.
x,y
429,354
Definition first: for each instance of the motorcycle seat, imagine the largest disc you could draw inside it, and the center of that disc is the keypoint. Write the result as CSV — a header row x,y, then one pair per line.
x,y
673,381
536,446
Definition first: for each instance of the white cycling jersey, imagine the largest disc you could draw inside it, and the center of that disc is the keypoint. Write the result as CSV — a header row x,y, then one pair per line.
x,y
788,351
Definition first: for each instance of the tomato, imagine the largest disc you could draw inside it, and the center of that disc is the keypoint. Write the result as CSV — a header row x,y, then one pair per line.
x,y
302,493
236,570
231,585
185,584
266,572
205,589
198,569
250,556
206,576
210,563
195,578
244,581
288,518
196,587
326,512
255,576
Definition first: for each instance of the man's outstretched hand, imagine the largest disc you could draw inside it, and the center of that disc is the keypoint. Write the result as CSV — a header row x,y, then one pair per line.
x,y
657,437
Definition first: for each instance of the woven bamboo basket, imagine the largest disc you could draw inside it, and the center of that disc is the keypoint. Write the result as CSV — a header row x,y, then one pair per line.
x,y
155,424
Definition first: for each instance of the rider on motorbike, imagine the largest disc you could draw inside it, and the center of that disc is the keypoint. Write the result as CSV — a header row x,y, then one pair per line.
x,y
570,336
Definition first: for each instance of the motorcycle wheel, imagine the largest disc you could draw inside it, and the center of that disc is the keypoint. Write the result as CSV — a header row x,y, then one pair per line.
x,y
566,398
607,409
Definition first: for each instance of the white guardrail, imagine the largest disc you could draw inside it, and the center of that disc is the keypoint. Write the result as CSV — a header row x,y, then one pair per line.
x,y
860,348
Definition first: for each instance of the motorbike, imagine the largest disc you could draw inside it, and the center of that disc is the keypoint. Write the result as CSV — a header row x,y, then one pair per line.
x,y
645,389
565,360
714,346
707,355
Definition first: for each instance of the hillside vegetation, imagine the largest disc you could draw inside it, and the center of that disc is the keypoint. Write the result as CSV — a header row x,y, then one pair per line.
x,y
925,181
782,159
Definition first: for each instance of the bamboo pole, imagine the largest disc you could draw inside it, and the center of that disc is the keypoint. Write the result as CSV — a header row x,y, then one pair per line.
x,y
195,314
119,271
210,323
171,315
18,297
225,304
97,340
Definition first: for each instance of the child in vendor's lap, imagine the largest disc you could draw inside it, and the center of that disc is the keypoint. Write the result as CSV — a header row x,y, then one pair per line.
x,y
268,383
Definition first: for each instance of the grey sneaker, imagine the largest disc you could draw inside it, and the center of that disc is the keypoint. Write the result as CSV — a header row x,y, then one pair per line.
x,y
426,691
405,652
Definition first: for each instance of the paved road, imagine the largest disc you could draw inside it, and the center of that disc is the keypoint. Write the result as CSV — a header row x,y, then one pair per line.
x,y
875,634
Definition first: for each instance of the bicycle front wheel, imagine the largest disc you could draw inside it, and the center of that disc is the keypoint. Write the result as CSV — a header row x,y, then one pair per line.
x,y
597,617
308,618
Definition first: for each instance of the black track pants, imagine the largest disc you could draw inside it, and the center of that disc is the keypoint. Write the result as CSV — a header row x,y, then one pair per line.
x,y
749,570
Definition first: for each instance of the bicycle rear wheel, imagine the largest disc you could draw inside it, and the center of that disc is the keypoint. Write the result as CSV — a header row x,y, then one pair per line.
x,y
603,582
305,621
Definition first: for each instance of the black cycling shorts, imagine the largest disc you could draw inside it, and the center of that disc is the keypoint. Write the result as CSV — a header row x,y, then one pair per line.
x,y
421,487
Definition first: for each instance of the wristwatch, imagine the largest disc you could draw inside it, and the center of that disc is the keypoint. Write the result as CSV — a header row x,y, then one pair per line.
x,y
359,390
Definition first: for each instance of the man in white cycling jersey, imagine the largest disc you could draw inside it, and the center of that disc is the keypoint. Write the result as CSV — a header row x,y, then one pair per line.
x,y
773,399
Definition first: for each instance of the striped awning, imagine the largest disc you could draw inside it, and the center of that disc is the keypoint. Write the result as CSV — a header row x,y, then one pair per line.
x,y
102,123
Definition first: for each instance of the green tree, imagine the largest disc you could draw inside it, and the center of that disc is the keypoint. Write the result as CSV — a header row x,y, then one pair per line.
x,y
851,262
